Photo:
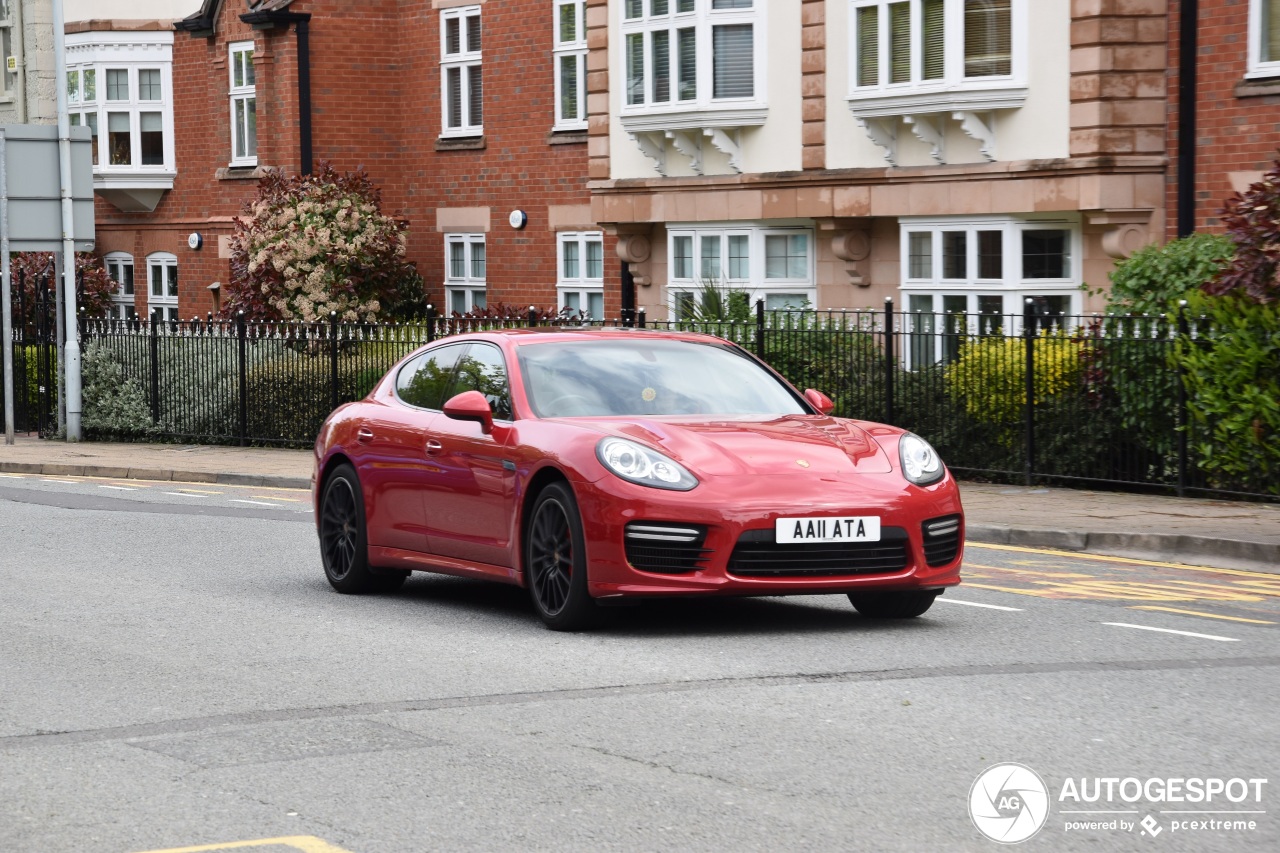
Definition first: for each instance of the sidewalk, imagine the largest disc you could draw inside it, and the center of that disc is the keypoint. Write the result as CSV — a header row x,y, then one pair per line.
x,y
1224,534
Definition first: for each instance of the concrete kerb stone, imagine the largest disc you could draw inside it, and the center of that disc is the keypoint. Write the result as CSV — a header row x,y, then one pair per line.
x,y
1195,550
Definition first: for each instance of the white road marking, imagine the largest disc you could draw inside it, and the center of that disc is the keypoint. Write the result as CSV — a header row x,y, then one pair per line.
x,y
119,488
1171,631
944,600
185,495
255,503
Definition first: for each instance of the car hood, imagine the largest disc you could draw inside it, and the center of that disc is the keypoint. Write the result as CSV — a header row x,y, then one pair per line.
x,y
791,444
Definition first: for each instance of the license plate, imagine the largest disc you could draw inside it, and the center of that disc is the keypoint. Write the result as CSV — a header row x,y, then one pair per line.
x,y
851,528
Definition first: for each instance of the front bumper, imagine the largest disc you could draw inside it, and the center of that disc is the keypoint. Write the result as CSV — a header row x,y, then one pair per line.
x,y
731,507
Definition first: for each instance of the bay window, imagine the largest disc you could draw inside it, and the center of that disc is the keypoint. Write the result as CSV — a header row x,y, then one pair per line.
x,y
973,276
735,265
690,54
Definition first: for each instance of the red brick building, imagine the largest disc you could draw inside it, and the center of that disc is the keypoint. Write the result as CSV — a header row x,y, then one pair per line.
x,y
470,116
1236,78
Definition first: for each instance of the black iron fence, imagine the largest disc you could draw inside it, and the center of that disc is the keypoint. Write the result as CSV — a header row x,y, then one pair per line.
x,y
34,352
1020,398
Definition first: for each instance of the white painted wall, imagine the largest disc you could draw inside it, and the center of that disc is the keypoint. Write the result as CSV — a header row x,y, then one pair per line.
x,y
1040,129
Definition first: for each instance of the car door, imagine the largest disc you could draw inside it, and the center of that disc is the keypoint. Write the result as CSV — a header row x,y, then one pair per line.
x,y
470,512
393,462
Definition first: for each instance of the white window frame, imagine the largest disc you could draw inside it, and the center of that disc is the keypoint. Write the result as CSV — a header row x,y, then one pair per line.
x,y
246,95
577,289
791,291
469,66
88,61
471,287
570,53
6,50
166,301
1012,287
954,58
703,19
123,306
1258,66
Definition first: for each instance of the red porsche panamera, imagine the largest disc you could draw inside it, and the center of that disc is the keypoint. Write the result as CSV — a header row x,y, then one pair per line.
x,y
597,465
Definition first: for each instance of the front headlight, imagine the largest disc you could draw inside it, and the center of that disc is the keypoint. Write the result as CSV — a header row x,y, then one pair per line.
x,y
920,462
638,464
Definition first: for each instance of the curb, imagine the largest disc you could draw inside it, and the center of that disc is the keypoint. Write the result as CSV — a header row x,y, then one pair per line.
x,y
269,481
1165,547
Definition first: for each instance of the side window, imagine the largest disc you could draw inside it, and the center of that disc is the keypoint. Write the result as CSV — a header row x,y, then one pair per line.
x,y
424,381
483,369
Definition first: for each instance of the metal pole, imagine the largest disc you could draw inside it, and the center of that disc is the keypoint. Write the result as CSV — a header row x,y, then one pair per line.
x,y
889,350
1184,335
72,354
1029,388
6,308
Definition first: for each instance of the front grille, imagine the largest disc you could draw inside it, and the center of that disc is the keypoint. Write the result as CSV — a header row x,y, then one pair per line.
x,y
941,539
666,548
758,555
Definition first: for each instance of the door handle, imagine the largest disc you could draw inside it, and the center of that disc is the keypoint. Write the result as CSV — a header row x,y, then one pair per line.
x,y
364,435
434,448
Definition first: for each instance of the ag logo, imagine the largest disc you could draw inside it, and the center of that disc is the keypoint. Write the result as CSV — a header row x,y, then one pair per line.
x,y
1009,803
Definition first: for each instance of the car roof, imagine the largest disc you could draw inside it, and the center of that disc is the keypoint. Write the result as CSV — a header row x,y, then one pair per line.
x,y
545,334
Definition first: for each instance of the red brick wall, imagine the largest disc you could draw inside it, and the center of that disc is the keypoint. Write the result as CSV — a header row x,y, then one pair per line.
x,y
375,85
1236,131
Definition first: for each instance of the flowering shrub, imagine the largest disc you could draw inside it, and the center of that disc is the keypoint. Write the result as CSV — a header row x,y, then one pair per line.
x,y
34,269
309,245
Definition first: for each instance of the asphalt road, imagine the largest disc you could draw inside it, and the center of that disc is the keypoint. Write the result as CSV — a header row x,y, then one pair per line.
x,y
177,675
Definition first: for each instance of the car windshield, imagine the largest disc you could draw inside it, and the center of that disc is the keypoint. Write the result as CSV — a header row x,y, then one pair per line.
x,y
648,377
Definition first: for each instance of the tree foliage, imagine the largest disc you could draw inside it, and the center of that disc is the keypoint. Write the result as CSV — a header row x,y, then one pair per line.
x,y
1252,220
37,269
312,245
1153,279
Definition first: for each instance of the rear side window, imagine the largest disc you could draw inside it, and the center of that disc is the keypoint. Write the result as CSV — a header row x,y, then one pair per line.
x,y
428,380
484,369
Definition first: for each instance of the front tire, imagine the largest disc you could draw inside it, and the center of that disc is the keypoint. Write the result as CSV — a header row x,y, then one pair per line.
x,y
555,562
893,605
344,544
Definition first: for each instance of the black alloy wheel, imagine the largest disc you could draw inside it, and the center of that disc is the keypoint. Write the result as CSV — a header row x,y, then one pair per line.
x,y
893,605
344,546
555,562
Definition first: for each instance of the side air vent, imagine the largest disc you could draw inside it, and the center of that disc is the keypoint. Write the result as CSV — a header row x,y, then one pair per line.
x,y
665,548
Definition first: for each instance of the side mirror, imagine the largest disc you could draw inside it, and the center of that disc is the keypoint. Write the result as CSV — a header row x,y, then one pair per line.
x,y
819,401
471,406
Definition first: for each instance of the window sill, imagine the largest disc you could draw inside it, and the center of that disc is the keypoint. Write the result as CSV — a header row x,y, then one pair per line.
x,y
1251,88
241,173
686,119
937,101
460,143
567,137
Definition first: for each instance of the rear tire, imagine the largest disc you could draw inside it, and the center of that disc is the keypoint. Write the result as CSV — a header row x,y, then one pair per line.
x,y
555,562
344,544
893,605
